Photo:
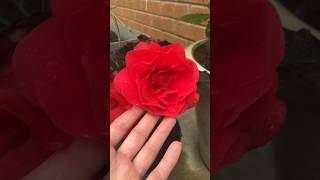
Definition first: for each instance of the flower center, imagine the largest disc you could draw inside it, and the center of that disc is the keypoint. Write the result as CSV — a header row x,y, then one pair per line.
x,y
159,78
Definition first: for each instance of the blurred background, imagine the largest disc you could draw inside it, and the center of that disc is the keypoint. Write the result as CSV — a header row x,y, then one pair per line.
x,y
17,19
13,11
295,153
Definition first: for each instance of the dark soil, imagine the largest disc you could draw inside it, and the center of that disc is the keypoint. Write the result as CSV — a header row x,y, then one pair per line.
x,y
202,55
301,47
299,76
117,57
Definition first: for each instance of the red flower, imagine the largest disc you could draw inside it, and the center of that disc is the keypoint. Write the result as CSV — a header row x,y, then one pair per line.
x,y
160,79
248,47
118,104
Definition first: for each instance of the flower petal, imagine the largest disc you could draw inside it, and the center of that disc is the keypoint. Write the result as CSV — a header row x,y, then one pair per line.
x,y
125,85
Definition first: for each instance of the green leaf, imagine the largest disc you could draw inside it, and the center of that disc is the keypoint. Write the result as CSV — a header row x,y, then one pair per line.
x,y
116,24
196,18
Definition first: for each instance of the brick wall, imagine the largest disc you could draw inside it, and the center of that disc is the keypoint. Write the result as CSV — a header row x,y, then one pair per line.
x,y
159,18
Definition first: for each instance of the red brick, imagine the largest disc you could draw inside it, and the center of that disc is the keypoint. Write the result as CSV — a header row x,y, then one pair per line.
x,y
132,24
175,10
143,6
119,2
143,18
199,9
165,24
189,31
152,32
134,4
196,1
158,18
154,7
128,13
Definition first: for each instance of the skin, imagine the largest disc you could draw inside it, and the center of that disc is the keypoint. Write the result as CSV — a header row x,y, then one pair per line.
x,y
130,154
134,156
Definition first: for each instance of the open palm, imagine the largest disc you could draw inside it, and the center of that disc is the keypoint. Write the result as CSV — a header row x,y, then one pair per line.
x,y
131,156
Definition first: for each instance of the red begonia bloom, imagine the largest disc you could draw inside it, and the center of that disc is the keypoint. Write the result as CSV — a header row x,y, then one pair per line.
x,y
118,104
159,79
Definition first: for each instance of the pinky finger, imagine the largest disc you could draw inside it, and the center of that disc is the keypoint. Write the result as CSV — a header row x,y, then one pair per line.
x,y
167,163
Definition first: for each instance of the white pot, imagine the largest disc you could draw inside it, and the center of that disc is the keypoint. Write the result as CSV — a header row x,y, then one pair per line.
x,y
202,109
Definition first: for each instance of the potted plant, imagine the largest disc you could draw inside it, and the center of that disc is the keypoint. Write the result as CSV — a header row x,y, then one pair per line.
x,y
200,53
117,63
119,34
121,37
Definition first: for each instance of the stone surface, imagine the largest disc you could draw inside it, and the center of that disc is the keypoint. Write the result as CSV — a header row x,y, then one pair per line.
x,y
190,165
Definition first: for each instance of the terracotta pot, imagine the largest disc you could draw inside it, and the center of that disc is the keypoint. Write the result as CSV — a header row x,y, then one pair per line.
x,y
203,107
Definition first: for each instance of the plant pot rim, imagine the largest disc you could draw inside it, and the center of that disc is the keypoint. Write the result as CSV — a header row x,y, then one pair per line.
x,y
123,41
190,51
126,33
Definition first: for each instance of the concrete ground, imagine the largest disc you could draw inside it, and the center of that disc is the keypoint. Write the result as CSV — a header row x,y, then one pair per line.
x,y
190,165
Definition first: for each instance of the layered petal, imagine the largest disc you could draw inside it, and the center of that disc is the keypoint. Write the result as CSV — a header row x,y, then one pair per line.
x,y
159,79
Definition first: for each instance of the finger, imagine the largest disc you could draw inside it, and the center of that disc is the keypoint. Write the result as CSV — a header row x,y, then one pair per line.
x,y
81,161
123,168
113,154
120,126
167,163
150,150
138,136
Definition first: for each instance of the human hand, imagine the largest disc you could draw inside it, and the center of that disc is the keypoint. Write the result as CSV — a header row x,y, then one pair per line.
x,y
132,158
